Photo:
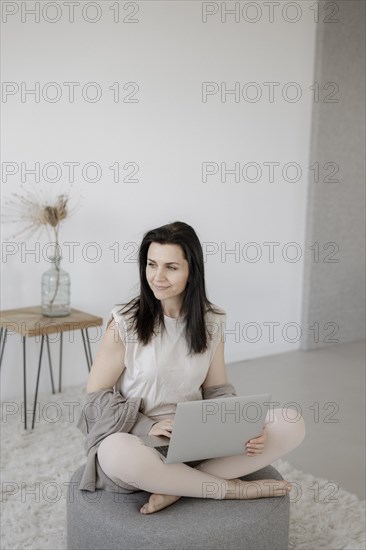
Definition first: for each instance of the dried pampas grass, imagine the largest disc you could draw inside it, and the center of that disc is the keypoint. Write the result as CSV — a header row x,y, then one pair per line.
x,y
36,212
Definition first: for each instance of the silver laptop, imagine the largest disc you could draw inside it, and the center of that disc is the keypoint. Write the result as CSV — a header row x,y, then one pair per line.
x,y
211,428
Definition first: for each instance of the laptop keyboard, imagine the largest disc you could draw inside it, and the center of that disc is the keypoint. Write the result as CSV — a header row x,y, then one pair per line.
x,y
163,449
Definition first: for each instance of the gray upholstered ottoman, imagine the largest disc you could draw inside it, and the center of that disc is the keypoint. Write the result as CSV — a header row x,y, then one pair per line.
x,y
112,521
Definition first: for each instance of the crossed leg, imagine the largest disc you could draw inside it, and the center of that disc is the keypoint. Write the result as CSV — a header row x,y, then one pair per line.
x,y
125,458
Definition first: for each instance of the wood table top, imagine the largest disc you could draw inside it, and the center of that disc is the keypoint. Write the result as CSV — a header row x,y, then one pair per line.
x,y
29,321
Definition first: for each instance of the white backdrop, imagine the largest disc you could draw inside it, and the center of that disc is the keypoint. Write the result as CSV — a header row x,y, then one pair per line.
x,y
168,133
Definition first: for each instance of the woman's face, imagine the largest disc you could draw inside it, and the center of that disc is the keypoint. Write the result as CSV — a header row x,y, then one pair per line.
x,y
167,270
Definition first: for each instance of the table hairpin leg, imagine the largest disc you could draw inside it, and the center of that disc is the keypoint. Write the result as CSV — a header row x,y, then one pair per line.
x,y
49,362
87,349
24,385
38,373
60,365
3,334
2,342
88,342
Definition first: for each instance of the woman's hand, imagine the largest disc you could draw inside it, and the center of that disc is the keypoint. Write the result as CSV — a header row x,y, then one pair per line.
x,y
164,427
255,445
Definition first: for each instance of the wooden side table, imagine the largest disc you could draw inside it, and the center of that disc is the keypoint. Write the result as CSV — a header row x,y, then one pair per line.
x,y
28,322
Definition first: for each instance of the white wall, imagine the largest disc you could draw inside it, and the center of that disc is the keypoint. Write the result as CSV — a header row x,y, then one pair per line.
x,y
334,288
169,133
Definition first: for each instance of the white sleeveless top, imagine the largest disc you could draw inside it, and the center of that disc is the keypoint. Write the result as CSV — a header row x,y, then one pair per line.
x,y
162,373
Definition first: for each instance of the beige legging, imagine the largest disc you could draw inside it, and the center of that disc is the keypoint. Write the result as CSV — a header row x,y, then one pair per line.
x,y
134,466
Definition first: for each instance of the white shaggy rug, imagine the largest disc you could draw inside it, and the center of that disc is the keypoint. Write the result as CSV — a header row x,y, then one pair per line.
x,y
37,465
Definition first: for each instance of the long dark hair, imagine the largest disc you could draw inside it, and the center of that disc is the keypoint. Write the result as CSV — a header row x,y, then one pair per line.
x,y
147,310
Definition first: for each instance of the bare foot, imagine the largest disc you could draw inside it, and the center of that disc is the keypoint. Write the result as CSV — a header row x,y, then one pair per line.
x,y
259,488
237,489
158,502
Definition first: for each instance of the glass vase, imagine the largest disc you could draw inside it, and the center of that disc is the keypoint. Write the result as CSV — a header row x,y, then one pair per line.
x,y
56,291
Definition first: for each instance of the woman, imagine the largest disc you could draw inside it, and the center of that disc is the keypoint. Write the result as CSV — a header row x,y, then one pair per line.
x,y
160,348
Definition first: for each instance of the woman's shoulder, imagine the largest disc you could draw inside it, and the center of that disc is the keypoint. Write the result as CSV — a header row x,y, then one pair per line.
x,y
121,313
122,319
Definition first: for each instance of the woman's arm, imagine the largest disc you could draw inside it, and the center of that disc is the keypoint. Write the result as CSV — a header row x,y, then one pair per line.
x,y
216,373
109,361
